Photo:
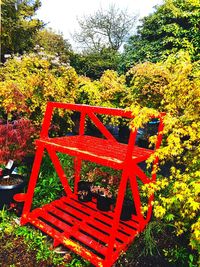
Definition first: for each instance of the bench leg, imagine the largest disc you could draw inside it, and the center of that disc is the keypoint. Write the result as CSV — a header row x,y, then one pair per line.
x,y
137,201
77,173
32,184
116,217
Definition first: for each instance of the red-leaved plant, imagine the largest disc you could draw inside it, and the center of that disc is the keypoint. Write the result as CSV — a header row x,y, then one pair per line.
x,y
15,139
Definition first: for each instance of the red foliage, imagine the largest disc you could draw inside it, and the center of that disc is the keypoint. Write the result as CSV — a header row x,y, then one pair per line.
x,y
15,139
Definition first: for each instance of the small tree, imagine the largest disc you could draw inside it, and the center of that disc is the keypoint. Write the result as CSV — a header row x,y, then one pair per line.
x,y
15,139
93,64
173,26
105,28
53,43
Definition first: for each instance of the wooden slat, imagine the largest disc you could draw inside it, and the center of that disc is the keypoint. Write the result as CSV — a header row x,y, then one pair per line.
x,y
86,225
102,221
106,216
88,108
73,231
98,149
95,223
102,236
65,240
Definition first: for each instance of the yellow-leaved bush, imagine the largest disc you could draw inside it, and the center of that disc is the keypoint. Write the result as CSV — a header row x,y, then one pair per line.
x,y
173,86
109,91
27,82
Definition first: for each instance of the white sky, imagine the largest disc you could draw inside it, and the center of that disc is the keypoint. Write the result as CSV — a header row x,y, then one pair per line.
x,y
61,15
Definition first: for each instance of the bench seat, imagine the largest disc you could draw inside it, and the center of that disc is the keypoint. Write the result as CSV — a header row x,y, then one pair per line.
x,y
98,149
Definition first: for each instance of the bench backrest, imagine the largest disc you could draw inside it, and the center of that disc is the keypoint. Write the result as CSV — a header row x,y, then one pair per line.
x,y
91,112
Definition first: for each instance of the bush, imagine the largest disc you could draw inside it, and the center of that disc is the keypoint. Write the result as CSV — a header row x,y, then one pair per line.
x,y
173,86
33,79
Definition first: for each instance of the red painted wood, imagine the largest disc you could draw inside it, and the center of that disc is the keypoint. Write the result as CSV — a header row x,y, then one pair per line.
x,y
55,160
20,197
99,237
101,127
65,240
79,222
96,149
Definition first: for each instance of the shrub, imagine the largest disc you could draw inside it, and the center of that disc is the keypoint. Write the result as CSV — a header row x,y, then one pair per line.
x,y
173,86
33,79
15,139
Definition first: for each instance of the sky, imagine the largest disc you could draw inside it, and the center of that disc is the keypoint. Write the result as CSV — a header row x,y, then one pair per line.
x,y
61,15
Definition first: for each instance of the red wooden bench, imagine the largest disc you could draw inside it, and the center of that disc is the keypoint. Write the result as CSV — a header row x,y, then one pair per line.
x,y
100,237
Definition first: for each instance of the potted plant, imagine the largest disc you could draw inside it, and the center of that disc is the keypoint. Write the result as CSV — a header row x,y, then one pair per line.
x,y
128,208
15,139
11,183
84,195
143,135
104,197
84,185
15,142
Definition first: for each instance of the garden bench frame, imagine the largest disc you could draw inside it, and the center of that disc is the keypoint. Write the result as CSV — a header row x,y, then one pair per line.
x,y
99,237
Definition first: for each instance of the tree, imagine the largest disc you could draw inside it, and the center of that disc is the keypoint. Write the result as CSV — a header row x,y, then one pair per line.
x,y
93,64
172,27
53,43
18,25
104,29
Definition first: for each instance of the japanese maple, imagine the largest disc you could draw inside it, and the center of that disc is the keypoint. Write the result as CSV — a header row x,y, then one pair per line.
x,y
15,139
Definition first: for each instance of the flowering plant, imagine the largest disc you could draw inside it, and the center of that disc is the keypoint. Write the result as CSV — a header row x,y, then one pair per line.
x,y
103,179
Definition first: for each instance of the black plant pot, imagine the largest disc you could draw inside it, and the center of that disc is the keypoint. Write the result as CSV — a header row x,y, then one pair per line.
x,y
8,191
28,162
103,203
124,133
83,185
143,143
84,197
128,209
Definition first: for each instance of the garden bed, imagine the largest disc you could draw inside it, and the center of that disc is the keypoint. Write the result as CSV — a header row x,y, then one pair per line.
x,y
27,247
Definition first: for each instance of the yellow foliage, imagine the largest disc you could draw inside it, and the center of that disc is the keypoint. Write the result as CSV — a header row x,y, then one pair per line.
x,y
173,86
28,82
195,240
